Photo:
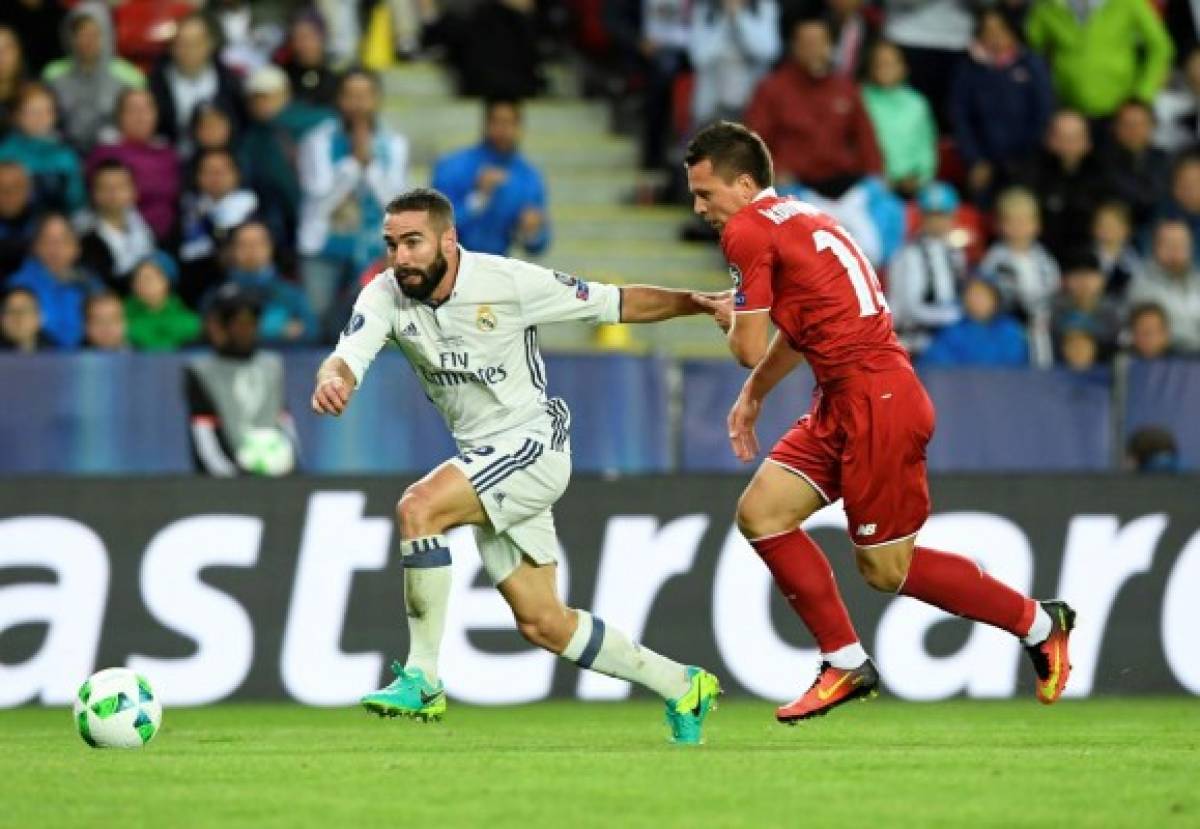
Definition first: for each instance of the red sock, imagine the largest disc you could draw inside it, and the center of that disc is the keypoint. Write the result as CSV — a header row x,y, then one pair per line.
x,y
958,585
803,574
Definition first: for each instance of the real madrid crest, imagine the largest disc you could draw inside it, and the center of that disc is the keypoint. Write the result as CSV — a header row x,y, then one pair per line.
x,y
485,320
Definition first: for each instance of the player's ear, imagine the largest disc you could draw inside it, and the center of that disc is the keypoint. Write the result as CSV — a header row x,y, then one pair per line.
x,y
449,240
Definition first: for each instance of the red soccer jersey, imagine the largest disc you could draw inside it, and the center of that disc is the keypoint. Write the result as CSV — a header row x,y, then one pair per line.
x,y
788,258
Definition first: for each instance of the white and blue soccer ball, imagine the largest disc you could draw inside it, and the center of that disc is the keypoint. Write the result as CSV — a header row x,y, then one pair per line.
x,y
117,708
266,450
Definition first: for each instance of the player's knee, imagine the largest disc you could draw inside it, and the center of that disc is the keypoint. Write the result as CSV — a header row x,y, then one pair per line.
x,y
416,513
883,572
753,519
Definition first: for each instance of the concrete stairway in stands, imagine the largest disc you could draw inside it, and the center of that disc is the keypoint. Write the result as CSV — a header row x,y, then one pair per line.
x,y
592,177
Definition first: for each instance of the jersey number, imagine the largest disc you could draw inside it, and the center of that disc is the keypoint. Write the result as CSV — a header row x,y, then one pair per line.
x,y
862,275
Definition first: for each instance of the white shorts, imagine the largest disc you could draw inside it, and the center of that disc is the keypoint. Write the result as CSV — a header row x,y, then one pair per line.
x,y
517,480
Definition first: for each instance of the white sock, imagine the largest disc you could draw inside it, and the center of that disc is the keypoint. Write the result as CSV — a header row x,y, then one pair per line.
x,y
606,650
1040,629
426,594
851,656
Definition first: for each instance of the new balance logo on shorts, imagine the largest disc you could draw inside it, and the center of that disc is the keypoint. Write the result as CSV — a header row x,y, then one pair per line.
x,y
867,530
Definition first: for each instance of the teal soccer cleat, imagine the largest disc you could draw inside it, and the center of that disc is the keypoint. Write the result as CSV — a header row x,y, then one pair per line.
x,y
409,695
686,715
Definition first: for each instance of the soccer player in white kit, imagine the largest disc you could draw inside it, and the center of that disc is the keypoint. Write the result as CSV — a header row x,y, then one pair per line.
x,y
467,322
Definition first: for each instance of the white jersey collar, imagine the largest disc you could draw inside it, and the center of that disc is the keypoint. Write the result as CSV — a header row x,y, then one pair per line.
x,y
765,193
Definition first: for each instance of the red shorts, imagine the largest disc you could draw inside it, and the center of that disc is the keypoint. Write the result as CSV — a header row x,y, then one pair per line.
x,y
864,440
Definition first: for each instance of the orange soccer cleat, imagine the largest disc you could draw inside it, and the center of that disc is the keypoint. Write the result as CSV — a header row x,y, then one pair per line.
x,y
832,687
1051,659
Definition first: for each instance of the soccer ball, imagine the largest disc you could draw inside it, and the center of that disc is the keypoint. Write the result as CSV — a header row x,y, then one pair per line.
x,y
266,450
116,708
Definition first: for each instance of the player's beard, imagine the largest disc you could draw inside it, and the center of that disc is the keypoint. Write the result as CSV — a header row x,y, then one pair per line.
x,y
431,277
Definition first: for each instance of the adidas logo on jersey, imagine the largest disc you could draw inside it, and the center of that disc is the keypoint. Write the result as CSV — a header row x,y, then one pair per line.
x,y
410,331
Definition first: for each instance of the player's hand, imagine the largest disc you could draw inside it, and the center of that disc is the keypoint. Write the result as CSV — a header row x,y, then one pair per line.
x,y
719,304
332,395
742,418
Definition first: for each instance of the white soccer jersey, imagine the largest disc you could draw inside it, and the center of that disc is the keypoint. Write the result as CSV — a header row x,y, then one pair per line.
x,y
476,354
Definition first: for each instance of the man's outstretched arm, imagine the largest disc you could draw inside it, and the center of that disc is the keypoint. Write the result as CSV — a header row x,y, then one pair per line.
x,y
648,303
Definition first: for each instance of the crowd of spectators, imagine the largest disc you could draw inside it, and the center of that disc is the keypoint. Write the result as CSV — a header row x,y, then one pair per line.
x,y
152,153
1024,174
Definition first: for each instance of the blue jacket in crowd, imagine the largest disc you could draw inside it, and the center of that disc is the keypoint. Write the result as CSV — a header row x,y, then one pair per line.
x,y
61,301
1000,342
492,227
1000,113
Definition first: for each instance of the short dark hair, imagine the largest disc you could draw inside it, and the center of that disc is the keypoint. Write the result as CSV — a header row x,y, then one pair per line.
x,y
494,101
357,71
1148,309
108,165
733,149
96,297
424,200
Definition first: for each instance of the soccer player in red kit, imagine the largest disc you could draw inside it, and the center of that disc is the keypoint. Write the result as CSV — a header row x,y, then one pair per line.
x,y
863,439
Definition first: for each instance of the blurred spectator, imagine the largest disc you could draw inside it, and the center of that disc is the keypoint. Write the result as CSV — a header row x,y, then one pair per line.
x,y
350,168
21,323
1138,173
983,337
190,76
157,318
1078,347
733,44
853,33
904,125
104,323
1069,182
1083,306
925,276
823,143
1152,450
498,195
1181,19
492,46
1177,108
34,144
653,35
1026,276
269,147
53,273
217,205
285,316
1149,332
247,43
814,122
1184,203
115,236
145,28
154,163
91,77
1172,280
1000,104
313,82
343,29
17,216
934,35
12,76
211,128
1112,232
36,20
1103,52
235,396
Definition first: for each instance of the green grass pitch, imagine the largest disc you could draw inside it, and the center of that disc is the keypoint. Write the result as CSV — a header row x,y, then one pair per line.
x,y
1113,762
